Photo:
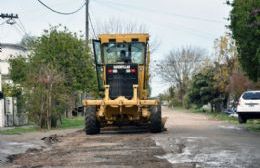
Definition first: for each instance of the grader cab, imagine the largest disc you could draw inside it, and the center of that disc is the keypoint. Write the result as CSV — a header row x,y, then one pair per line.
x,y
122,66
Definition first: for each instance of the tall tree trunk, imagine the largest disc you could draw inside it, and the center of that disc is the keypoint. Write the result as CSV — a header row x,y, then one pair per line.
x,y
211,107
49,111
42,122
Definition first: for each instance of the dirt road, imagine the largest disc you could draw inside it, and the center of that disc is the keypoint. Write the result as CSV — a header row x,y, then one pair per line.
x,y
192,141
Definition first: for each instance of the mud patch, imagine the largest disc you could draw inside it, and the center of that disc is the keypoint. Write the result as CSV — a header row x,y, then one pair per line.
x,y
9,151
232,127
11,158
32,150
52,139
105,150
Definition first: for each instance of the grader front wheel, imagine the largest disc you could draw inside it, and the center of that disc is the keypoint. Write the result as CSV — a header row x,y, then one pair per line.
x,y
92,125
156,119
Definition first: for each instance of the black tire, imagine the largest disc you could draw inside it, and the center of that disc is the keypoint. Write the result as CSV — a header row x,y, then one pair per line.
x,y
156,119
92,125
241,119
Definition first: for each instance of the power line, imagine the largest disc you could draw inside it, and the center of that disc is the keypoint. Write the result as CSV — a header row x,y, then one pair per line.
x,y
62,13
18,30
92,27
4,33
86,3
22,26
166,12
11,21
3,22
189,30
10,18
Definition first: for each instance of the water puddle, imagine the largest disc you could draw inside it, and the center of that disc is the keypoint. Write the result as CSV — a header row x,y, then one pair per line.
x,y
192,152
12,148
232,127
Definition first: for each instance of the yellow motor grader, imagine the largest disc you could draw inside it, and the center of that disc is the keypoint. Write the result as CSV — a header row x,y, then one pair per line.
x,y
122,66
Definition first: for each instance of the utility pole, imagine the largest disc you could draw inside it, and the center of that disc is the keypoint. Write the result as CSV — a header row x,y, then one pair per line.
x,y
87,22
9,21
10,18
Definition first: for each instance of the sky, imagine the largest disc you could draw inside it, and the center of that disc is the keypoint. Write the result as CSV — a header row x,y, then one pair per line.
x,y
173,23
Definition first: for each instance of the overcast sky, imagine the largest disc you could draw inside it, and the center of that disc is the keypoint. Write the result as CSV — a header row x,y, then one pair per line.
x,y
175,23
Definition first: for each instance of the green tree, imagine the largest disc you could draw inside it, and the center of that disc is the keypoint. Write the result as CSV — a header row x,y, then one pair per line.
x,y
58,67
202,90
19,69
47,95
245,25
67,53
226,61
27,41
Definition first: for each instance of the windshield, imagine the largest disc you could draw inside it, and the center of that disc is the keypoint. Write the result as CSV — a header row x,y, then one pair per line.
x,y
121,53
251,96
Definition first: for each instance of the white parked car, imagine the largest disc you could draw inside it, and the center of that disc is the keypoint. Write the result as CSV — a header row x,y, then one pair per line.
x,y
249,106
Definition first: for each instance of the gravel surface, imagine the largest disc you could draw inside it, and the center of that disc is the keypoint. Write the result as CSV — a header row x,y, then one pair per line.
x,y
194,140
191,141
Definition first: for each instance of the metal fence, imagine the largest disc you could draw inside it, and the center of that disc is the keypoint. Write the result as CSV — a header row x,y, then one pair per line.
x,y
12,117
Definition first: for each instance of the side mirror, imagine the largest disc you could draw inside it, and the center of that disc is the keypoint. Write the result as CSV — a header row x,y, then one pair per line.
x,y
1,95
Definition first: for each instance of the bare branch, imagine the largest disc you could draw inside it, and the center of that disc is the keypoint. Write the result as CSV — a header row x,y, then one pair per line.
x,y
114,26
179,65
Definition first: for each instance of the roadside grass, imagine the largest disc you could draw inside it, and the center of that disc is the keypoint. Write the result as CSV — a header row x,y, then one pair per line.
x,y
252,125
216,115
76,122
67,123
18,130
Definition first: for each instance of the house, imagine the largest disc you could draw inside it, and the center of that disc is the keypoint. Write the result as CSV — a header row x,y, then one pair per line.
x,y
7,52
2,121
8,109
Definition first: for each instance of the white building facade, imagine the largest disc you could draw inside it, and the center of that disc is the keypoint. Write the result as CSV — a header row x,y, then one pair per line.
x,y
2,115
7,52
